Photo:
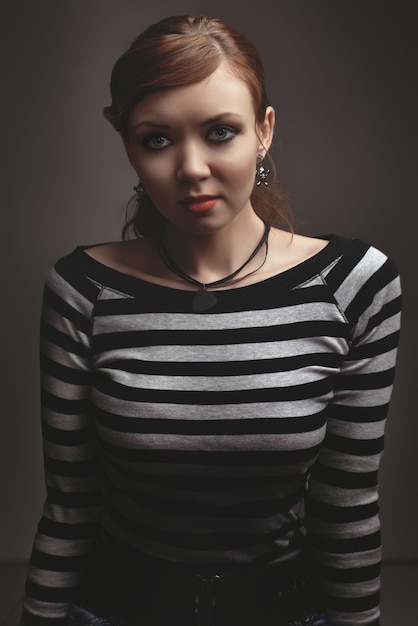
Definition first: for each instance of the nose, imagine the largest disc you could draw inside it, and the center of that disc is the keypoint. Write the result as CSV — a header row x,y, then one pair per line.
x,y
192,164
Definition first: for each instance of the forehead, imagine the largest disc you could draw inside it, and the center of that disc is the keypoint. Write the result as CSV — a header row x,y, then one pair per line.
x,y
222,91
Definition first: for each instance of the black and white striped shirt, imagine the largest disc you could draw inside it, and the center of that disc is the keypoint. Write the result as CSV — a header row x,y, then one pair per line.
x,y
198,437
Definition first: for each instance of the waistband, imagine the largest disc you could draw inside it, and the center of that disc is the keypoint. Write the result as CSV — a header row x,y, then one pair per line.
x,y
135,584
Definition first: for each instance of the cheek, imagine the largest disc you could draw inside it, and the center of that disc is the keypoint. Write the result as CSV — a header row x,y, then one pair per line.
x,y
241,171
155,175
161,186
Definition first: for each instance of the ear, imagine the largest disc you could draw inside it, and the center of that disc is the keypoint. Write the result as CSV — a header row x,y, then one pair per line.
x,y
266,130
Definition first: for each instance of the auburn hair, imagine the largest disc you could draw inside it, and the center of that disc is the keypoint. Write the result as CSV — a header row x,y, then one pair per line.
x,y
183,50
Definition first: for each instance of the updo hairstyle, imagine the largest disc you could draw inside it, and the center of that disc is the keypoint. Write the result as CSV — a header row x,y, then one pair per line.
x,y
178,51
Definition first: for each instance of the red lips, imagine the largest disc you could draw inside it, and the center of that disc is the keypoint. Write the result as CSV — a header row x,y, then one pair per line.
x,y
199,204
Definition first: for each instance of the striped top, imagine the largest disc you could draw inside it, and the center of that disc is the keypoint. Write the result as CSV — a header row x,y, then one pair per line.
x,y
205,437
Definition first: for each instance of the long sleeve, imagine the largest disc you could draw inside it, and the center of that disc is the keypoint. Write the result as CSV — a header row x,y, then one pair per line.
x,y
72,507
342,503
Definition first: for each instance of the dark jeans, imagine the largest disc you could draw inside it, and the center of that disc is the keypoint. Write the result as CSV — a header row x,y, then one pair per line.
x,y
122,591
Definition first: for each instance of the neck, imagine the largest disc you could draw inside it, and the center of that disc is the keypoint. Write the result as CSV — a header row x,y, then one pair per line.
x,y
209,257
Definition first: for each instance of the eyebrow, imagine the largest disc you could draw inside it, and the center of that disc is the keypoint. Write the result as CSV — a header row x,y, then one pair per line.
x,y
211,120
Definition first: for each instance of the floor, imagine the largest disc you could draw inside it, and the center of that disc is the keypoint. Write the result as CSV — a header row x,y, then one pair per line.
x,y
399,586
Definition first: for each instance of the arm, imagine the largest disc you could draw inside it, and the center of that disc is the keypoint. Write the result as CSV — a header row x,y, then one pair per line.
x,y
342,503
71,511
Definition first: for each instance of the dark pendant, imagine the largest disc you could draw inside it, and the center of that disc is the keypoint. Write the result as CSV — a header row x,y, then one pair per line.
x,y
203,300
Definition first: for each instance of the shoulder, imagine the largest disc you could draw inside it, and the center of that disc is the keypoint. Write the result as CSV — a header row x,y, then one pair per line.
x,y
72,265
94,259
129,257
358,261
338,257
362,277
347,252
73,278
90,268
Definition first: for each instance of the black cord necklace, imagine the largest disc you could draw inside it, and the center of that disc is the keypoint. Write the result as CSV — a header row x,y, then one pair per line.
x,y
204,299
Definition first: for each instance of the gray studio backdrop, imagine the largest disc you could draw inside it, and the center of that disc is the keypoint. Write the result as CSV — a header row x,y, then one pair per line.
x,y
342,78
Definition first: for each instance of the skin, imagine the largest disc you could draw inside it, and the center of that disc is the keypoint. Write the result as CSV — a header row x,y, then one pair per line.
x,y
202,140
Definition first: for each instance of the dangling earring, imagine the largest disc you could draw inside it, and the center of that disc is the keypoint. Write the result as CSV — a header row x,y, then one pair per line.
x,y
261,172
140,189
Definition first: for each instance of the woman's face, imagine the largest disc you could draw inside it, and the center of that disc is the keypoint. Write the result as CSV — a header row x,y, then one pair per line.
x,y
195,150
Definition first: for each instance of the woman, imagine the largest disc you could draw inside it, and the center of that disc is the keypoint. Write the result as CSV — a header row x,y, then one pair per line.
x,y
215,388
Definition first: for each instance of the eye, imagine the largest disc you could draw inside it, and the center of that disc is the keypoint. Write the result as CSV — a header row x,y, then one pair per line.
x,y
155,142
222,133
